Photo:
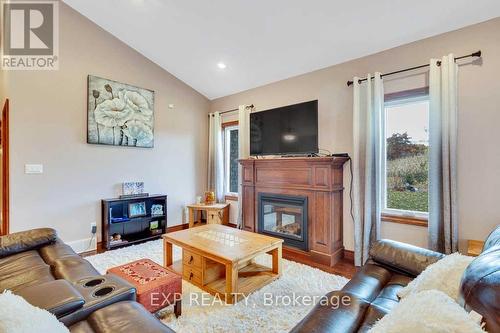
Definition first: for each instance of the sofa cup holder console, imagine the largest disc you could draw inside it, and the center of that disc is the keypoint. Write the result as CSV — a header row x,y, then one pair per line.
x,y
93,282
101,292
97,292
104,286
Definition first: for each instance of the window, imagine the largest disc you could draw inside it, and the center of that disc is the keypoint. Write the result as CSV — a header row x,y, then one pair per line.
x,y
230,158
406,162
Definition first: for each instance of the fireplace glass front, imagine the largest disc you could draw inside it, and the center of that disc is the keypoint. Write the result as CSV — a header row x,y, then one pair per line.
x,y
285,217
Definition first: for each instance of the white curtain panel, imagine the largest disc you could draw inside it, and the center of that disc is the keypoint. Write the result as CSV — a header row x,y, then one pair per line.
x,y
243,151
368,136
215,157
443,125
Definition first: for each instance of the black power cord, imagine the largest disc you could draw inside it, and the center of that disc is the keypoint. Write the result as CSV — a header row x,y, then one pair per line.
x,y
350,183
90,242
350,188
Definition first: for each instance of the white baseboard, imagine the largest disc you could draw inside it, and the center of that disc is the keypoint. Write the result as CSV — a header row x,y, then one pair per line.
x,y
83,245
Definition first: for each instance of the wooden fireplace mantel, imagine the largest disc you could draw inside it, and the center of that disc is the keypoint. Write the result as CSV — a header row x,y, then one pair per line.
x,y
320,179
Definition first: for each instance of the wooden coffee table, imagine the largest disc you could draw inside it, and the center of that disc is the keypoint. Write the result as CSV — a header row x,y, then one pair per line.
x,y
219,259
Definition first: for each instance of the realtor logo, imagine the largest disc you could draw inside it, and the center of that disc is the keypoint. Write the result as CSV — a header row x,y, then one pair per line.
x,y
30,38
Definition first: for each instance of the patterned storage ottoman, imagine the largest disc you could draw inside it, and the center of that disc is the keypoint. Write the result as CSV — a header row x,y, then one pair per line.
x,y
157,286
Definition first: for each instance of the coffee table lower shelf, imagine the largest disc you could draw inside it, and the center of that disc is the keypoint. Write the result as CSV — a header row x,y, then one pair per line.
x,y
250,278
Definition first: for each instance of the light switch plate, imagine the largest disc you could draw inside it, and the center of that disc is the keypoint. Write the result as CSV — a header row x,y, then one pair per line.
x,y
33,168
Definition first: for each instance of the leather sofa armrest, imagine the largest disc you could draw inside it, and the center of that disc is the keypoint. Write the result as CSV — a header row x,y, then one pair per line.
x,y
58,297
98,292
124,316
493,239
26,240
338,312
403,257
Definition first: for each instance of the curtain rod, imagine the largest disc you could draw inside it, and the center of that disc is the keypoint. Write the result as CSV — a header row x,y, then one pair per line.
x,y
474,54
232,110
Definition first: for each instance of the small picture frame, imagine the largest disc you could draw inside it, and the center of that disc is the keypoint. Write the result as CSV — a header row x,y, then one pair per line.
x,y
137,209
153,225
157,210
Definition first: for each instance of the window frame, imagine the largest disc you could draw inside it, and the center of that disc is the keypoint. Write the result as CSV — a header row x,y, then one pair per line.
x,y
226,128
390,214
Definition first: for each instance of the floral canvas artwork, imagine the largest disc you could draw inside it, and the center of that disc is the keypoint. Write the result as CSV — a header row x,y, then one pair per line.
x,y
119,114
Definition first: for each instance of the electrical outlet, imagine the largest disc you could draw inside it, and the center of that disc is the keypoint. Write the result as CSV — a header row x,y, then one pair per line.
x,y
93,227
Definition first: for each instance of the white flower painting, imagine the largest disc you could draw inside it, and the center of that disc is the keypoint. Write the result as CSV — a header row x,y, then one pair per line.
x,y
119,114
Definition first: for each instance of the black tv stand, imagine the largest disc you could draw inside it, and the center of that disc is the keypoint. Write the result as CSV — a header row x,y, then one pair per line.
x,y
118,220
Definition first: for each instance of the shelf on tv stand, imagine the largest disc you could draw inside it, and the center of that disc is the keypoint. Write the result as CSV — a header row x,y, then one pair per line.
x,y
138,240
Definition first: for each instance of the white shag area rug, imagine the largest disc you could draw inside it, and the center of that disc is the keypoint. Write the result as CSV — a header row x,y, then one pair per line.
x,y
277,307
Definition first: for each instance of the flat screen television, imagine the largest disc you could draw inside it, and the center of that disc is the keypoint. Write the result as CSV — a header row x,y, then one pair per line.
x,y
286,130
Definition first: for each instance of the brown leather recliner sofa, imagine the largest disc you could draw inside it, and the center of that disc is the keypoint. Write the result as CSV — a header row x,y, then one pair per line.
x,y
372,292
37,265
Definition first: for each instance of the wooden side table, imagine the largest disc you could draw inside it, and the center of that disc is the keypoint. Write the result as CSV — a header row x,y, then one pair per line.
x,y
474,247
216,214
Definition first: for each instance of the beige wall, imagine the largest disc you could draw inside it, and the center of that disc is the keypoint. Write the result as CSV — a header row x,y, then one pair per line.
x,y
479,117
3,93
3,87
48,126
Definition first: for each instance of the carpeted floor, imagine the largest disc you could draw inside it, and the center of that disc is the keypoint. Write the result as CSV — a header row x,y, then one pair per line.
x,y
275,308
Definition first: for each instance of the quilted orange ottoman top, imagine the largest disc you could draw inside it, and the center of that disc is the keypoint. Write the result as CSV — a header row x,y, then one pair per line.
x,y
157,286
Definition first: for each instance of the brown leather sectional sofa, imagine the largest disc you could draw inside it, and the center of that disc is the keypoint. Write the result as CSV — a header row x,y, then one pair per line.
x,y
37,265
373,290
49,274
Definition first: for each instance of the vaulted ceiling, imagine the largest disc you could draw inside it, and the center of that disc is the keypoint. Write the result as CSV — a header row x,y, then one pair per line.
x,y
262,41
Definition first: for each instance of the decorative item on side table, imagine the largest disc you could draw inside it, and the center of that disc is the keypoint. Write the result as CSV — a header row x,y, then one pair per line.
x,y
119,114
209,197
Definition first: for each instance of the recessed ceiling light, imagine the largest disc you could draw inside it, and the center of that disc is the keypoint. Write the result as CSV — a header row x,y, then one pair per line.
x,y
221,65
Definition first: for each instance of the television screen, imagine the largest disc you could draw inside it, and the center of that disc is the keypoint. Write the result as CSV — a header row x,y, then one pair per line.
x,y
289,129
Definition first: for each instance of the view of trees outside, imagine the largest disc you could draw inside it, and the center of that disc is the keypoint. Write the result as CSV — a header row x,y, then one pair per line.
x,y
407,146
233,158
